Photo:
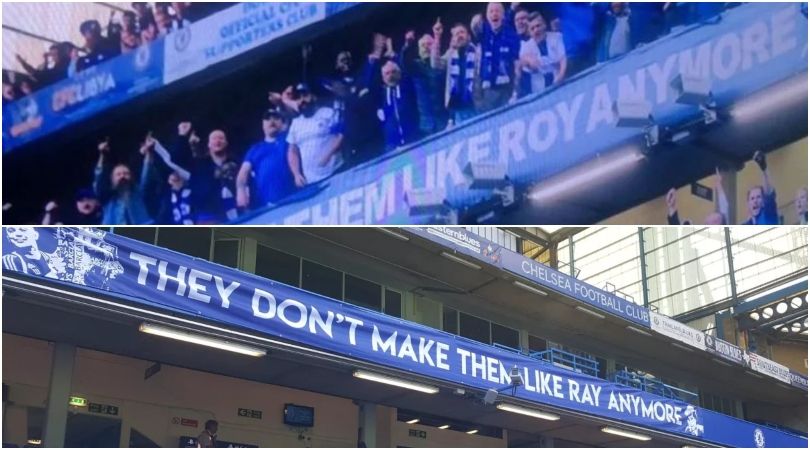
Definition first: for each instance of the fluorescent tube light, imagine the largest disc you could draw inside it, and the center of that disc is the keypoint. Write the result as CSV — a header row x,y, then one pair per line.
x,y
401,237
589,312
638,330
625,433
385,379
194,338
413,421
531,289
472,432
444,427
461,261
720,361
682,347
527,411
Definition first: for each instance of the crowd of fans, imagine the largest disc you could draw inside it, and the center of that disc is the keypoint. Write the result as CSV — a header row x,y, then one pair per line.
x,y
125,32
323,124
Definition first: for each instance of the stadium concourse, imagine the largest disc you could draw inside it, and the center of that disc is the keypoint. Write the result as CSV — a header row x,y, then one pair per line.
x,y
404,337
374,113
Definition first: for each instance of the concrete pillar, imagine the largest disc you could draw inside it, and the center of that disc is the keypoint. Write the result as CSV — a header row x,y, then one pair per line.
x,y
730,187
59,389
368,424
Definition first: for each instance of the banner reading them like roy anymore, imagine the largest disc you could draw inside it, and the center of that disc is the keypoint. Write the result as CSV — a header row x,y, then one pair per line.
x,y
156,278
747,49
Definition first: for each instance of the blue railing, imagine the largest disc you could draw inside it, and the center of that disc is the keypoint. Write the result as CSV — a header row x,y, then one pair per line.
x,y
652,385
560,358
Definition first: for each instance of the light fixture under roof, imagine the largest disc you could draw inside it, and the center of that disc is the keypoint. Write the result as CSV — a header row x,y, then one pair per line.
x,y
472,432
412,421
531,289
626,433
393,381
589,312
444,427
201,339
527,411
392,233
461,261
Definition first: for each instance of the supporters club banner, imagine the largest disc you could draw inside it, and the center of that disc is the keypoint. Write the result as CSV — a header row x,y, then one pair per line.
x,y
84,95
749,48
767,367
237,30
156,278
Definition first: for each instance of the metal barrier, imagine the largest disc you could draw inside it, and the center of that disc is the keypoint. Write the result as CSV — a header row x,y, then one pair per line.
x,y
652,385
560,358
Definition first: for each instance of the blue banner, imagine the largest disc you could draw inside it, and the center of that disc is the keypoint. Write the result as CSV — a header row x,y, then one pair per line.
x,y
84,95
749,48
151,276
462,241
574,288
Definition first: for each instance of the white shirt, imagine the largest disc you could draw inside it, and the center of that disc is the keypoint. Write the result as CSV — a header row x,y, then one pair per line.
x,y
548,64
314,138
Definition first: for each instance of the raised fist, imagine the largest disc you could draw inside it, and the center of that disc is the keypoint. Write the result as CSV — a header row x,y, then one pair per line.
x,y
438,28
184,128
759,158
104,146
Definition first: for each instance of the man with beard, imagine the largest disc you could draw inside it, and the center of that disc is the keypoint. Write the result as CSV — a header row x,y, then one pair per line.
x,y
460,64
87,211
762,209
213,183
123,200
268,163
315,138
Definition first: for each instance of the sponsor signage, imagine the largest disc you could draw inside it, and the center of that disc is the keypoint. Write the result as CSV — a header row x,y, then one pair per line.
x,y
678,331
574,288
540,137
767,367
84,95
462,241
140,274
798,380
724,350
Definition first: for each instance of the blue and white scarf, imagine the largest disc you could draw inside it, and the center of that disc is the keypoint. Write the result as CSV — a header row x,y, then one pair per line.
x,y
181,207
461,79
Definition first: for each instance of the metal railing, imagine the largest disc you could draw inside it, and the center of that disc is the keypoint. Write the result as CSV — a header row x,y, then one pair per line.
x,y
649,383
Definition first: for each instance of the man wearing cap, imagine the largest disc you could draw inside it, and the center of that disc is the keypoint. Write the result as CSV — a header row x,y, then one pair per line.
x,y
86,212
268,163
315,138
98,49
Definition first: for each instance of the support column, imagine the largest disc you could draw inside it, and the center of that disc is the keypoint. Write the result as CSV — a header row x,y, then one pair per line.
x,y
643,256
730,187
368,424
59,388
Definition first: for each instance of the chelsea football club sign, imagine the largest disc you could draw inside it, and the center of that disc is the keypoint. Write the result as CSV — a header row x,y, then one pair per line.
x,y
132,272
